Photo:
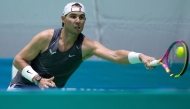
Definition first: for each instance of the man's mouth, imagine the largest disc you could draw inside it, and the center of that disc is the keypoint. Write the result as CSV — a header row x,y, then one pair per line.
x,y
77,27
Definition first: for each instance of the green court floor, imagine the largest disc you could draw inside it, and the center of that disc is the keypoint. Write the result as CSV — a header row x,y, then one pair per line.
x,y
132,99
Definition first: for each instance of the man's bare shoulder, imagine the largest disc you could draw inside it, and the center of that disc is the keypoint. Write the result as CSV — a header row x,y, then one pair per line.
x,y
88,43
87,48
43,38
46,34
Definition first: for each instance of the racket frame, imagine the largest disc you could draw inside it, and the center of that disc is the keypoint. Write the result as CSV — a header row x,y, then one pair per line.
x,y
165,57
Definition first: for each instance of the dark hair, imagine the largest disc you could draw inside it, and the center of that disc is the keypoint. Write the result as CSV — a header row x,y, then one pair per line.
x,y
77,4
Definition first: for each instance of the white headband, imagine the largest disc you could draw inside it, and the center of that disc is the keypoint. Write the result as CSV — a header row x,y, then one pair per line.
x,y
68,8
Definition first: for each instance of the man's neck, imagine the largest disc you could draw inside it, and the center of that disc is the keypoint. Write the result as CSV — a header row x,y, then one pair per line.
x,y
67,37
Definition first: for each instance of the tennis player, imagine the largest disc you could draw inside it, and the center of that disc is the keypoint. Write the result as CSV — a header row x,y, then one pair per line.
x,y
53,55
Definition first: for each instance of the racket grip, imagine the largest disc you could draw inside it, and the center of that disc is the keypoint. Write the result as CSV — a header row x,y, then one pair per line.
x,y
154,63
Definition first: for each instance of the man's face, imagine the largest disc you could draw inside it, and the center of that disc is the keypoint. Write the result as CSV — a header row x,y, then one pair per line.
x,y
74,22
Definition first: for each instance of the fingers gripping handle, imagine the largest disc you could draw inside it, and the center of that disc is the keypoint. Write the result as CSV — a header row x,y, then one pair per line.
x,y
154,63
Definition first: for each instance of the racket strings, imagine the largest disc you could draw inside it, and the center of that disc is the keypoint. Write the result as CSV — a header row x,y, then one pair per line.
x,y
176,64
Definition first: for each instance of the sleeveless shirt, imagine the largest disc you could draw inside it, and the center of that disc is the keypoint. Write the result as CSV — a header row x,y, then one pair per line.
x,y
53,62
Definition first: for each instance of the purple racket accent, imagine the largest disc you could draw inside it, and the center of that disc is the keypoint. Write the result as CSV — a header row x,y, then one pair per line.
x,y
166,68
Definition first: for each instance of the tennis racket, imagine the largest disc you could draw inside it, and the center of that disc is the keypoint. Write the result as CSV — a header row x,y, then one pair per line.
x,y
174,64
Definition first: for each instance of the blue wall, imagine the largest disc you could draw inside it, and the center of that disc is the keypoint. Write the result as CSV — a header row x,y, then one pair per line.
x,y
107,75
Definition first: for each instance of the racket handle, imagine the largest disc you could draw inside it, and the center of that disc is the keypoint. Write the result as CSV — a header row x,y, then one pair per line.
x,y
154,63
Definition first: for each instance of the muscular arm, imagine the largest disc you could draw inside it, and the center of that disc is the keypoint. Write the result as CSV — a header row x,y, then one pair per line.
x,y
91,47
117,56
30,51
95,48
38,44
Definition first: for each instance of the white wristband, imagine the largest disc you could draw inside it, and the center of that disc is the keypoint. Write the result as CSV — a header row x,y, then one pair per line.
x,y
28,73
133,58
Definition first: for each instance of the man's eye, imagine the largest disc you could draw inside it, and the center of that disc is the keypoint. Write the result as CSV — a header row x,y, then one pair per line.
x,y
73,16
81,17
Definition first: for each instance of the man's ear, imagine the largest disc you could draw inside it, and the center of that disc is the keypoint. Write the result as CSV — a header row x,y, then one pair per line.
x,y
63,18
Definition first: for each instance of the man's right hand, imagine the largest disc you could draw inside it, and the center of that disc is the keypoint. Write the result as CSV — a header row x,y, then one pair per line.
x,y
45,83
